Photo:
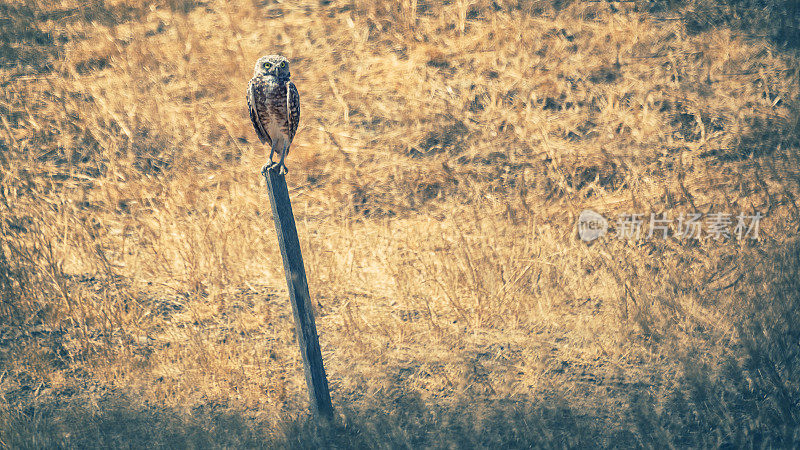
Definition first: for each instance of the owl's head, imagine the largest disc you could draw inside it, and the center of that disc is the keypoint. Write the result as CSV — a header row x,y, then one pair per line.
x,y
274,65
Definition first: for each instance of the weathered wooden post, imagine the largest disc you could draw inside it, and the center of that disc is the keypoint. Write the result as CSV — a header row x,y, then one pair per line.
x,y
298,294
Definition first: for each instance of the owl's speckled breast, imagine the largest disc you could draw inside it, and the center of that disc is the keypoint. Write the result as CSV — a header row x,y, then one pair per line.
x,y
270,99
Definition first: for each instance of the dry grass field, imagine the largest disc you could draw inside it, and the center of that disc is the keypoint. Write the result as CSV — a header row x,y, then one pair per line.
x,y
445,151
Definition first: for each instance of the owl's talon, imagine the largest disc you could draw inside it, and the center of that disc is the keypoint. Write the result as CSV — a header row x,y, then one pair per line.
x,y
282,170
267,167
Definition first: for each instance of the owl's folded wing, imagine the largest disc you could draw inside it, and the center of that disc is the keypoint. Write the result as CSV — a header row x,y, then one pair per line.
x,y
293,108
263,136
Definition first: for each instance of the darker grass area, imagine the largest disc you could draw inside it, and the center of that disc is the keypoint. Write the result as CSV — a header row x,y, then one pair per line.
x,y
28,45
119,422
692,416
26,42
779,20
116,422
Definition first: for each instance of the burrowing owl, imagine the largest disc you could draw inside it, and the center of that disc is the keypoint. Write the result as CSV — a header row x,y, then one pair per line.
x,y
274,107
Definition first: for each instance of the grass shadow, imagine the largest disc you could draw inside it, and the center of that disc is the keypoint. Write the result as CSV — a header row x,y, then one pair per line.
x,y
118,421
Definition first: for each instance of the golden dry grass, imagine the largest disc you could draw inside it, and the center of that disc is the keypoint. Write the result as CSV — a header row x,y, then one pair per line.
x,y
444,153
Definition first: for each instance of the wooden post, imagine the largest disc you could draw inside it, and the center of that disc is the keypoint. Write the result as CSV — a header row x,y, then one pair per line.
x,y
298,294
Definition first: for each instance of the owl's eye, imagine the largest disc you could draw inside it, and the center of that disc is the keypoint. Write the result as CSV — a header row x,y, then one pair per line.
x,y
267,65
283,64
